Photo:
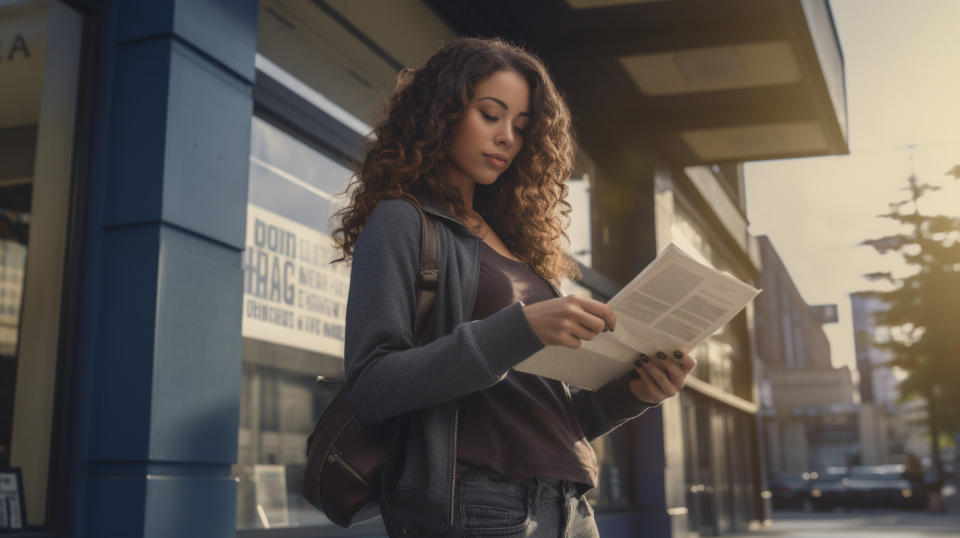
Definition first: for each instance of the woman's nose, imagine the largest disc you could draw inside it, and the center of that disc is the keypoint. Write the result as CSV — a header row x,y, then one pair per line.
x,y
505,135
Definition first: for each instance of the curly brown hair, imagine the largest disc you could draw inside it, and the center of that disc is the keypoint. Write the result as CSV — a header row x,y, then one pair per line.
x,y
526,206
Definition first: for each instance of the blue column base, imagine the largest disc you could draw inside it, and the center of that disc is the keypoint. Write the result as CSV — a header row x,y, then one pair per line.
x,y
155,506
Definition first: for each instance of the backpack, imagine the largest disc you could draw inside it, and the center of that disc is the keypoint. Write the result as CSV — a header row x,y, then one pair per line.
x,y
345,454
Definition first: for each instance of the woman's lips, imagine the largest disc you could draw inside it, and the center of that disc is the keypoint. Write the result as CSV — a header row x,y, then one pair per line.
x,y
495,161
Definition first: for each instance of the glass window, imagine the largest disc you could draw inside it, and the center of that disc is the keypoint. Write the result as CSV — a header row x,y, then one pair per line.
x,y
699,458
580,229
349,52
294,304
341,57
39,59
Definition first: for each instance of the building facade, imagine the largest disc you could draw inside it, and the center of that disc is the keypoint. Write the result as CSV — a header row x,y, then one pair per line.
x,y
808,409
167,173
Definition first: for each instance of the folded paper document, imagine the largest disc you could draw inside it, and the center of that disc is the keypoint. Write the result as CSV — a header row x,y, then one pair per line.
x,y
673,304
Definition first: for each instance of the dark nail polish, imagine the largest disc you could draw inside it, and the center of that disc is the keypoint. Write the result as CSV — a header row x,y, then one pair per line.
x,y
645,358
637,363
661,356
606,329
678,354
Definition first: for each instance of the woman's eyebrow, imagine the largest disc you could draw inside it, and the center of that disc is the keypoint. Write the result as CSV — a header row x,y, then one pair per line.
x,y
504,105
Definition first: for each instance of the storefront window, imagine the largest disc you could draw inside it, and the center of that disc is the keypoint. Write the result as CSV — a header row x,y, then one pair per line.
x,y
719,465
39,59
294,304
342,58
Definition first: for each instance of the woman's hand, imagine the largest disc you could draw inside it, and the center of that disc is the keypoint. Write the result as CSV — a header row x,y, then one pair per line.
x,y
566,321
661,376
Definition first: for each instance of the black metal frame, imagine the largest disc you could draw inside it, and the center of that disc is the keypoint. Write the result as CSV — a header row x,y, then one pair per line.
x,y
286,109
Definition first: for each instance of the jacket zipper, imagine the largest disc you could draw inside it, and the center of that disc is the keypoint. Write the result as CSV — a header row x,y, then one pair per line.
x,y
334,457
456,410
453,483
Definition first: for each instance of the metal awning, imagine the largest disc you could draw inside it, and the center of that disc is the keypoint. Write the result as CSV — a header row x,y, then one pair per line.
x,y
702,81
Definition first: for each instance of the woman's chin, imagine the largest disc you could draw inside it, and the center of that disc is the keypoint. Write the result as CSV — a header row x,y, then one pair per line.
x,y
486,179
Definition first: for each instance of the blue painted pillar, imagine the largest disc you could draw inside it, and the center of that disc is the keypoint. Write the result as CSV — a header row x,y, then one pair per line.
x,y
164,364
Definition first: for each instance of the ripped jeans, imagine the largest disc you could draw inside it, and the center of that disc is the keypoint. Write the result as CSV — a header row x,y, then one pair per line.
x,y
491,505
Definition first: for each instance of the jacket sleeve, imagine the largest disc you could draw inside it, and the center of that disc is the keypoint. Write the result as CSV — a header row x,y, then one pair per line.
x,y
386,374
607,409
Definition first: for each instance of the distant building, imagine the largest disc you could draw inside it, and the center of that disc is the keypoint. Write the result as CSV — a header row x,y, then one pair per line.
x,y
877,382
889,429
808,411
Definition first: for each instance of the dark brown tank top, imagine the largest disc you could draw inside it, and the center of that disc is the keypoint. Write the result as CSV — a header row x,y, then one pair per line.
x,y
524,426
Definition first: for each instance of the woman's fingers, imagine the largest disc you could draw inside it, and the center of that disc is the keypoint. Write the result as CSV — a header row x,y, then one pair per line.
x,y
595,309
568,320
660,377
581,331
645,389
686,362
669,365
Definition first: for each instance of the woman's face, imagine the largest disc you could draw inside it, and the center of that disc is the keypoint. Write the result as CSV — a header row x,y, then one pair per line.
x,y
490,134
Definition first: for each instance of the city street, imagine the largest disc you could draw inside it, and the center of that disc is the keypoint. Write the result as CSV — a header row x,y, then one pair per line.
x,y
865,523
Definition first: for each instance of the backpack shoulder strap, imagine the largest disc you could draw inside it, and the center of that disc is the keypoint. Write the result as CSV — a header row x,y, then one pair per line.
x,y
429,267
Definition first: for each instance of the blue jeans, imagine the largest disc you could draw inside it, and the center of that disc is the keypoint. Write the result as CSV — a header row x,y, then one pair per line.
x,y
491,505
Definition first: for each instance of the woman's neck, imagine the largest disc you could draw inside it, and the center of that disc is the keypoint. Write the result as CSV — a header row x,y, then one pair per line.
x,y
463,183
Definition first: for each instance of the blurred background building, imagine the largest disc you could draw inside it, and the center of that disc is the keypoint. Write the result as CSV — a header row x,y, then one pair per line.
x,y
808,408
167,170
889,427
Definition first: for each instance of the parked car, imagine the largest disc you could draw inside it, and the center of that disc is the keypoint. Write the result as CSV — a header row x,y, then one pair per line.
x,y
879,486
791,490
830,490
882,486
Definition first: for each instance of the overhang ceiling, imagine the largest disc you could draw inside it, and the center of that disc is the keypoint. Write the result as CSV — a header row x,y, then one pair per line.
x,y
702,81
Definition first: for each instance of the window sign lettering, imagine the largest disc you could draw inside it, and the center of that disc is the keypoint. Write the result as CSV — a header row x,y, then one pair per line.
x,y
292,294
11,48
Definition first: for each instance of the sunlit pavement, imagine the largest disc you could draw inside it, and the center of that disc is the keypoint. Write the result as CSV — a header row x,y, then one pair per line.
x,y
866,523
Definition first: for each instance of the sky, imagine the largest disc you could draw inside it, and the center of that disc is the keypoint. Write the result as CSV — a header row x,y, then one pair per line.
x,y
902,64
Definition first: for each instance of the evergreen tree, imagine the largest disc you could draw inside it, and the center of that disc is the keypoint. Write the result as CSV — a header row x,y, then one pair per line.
x,y
924,308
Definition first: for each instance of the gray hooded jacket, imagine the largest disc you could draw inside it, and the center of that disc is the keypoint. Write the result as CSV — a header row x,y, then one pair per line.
x,y
387,375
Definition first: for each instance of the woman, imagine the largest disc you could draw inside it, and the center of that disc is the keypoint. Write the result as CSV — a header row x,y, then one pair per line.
x,y
480,136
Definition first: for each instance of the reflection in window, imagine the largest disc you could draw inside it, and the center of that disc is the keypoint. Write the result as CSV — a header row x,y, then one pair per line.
x,y
22,40
579,230
341,57
293,317
13,258
327,46
39,58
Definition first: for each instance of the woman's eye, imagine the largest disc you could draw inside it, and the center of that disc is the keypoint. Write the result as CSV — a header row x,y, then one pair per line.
x,y
520,130
488,117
